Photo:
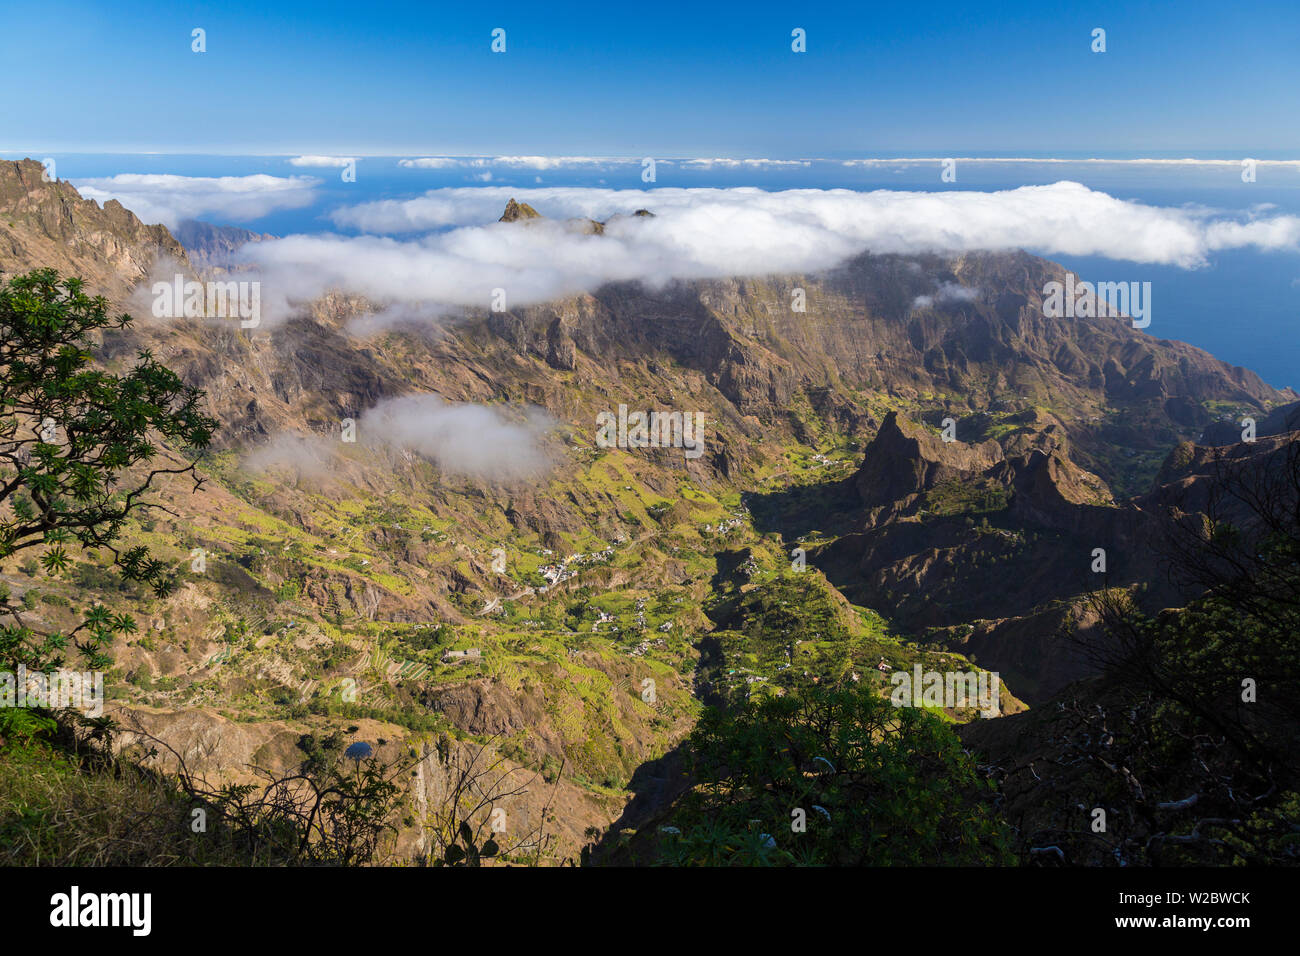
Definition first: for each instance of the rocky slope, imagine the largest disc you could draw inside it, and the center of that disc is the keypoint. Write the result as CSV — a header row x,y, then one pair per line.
x,y
371,565
994,553
212,247
869,341
47,224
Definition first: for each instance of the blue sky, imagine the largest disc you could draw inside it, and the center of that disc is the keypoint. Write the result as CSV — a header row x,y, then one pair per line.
x,y
629,79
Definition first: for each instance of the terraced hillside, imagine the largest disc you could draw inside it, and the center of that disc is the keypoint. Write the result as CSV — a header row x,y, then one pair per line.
x,y
574,616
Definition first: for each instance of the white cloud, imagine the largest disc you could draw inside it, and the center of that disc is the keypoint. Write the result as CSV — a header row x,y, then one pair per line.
x,y
322,161
510,162
554,162
1033,161
743,163
947,292
308,456
757,163
433,162
713,233
171,199
542,163
465,440
417,316
470,440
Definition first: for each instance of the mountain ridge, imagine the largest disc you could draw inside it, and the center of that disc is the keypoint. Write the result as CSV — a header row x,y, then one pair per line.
x,y
823,432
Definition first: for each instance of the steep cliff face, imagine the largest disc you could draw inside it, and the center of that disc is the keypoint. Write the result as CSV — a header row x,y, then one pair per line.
x,y
873,338
906,459
996,553
864,327
984,545
1054,416
515,211
47,224
213,247
950,532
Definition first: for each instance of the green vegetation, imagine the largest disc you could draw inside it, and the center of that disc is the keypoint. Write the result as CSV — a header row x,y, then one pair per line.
x,y
955,497
831,777
70,437
631,595
68,803
1191,740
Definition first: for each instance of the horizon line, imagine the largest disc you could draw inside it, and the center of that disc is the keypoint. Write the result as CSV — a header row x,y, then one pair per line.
x,y
412,157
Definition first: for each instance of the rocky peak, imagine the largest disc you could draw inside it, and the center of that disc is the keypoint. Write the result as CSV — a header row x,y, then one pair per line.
x,y
906,458
1049,489
516,211
46,224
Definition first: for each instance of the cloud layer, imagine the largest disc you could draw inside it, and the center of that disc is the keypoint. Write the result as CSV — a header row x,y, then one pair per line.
x,y
714,233
513,162
946,293
469,440
325,162
171,199
465,440
746,163
1065,161
546,163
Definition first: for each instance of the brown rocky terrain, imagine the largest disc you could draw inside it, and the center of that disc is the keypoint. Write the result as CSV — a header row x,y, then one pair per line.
x,y
983,545
48,224
1009,590
731,347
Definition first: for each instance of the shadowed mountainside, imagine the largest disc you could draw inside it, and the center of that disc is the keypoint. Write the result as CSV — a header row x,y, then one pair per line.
x,y
369,563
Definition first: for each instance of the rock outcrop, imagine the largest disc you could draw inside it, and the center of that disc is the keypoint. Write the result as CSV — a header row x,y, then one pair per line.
x,y
46,224
516,211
